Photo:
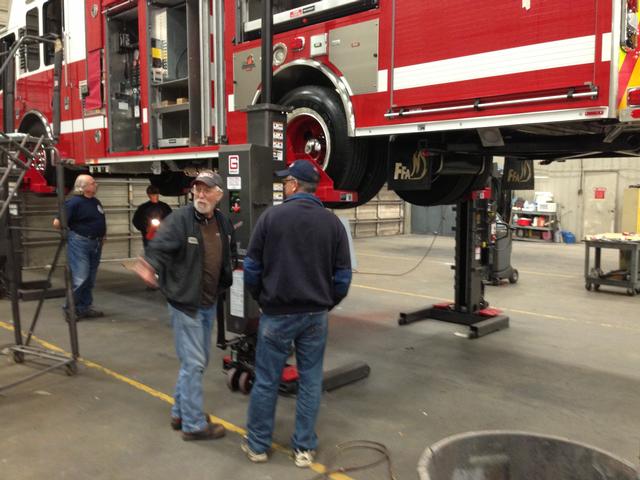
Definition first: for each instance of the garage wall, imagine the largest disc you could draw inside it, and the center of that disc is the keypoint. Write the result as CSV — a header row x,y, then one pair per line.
x,y
567,179
120,198
4,12
383,215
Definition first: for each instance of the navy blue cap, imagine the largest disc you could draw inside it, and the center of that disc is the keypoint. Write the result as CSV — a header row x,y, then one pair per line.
x,y
302,170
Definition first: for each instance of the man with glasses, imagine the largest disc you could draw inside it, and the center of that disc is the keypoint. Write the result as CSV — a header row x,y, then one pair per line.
x,y
190,259
298,268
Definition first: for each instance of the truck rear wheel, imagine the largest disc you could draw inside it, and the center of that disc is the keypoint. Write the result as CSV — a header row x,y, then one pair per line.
x,y
317,130
445,190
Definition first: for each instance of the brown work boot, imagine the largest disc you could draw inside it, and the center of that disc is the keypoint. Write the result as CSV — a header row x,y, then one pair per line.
x,y
210,432
176,422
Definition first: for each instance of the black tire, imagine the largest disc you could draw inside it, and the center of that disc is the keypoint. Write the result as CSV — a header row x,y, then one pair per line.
x,y
233,375
375,175
631,292
318,120
445,190
513,278
588,286
245,382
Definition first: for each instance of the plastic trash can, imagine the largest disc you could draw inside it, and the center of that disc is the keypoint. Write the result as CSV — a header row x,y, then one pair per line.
x,y
508,455
568,237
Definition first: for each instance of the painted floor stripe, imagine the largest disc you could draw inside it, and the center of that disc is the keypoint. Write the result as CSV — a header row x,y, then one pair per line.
x,y
316,467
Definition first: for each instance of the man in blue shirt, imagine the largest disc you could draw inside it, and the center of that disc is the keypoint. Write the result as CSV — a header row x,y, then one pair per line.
x,y
87,229
297,267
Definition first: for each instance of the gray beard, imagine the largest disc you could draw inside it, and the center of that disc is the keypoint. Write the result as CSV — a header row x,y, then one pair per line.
x,y
203,211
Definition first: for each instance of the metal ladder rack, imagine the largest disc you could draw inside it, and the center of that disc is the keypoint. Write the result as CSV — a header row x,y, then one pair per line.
x,y
18,152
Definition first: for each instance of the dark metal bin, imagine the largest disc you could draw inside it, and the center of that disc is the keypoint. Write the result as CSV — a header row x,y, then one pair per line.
x,y
506,455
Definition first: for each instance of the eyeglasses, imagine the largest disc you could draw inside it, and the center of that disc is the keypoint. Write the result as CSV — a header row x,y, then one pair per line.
x,y
198,189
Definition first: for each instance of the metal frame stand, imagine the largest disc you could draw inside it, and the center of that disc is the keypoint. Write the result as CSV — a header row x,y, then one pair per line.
x,y
18,151
470,308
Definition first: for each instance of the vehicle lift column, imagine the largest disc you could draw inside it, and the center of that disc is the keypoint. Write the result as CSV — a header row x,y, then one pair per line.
x,y
248,172
471,259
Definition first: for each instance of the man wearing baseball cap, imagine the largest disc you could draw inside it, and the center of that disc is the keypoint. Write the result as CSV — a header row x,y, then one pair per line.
x,y
298,268
190,259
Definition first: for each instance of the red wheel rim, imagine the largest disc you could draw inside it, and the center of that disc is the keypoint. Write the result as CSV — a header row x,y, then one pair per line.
x,y
308,137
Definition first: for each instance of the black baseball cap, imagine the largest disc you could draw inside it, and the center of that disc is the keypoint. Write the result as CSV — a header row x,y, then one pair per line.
x,y
302,170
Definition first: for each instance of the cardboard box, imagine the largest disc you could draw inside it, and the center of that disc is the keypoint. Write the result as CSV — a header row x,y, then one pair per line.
x,y
550,207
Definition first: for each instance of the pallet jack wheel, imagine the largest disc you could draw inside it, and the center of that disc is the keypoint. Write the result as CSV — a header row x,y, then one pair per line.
x,y
18,357
71,368
245,382
631,292
233,375
588,286
513,278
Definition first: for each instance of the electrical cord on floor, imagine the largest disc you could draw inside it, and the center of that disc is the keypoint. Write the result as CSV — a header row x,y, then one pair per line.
x,y
341,448
435,237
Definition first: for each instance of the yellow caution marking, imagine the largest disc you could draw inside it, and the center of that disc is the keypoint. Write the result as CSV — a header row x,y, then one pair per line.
x,y
316,467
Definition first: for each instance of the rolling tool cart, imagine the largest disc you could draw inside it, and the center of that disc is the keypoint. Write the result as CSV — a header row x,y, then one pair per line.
x,y
627,278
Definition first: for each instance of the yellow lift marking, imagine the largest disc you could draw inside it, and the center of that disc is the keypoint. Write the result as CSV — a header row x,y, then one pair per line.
x,y
316,467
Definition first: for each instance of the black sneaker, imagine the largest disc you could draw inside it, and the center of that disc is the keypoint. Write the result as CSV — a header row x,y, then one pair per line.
x,y
91,313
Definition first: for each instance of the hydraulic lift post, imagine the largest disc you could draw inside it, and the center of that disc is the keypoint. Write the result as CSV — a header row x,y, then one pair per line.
x,y
248,173
471,259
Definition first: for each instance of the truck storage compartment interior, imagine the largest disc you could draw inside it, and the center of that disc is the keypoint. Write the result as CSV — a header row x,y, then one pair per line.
x,y
123,63
174,74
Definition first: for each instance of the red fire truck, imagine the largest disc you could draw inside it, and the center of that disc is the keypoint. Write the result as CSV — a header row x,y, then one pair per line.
x,y
420,90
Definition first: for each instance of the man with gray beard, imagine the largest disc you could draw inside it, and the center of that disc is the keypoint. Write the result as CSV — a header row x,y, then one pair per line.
x,y
191,260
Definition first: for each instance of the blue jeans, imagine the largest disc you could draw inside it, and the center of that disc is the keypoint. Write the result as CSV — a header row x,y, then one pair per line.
x,y
308,331
84,259
193,344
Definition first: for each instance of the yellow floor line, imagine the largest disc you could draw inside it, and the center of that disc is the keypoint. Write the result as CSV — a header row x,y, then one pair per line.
x,y
316,467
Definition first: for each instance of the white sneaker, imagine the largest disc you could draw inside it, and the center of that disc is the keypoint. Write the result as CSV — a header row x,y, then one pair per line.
x,y
304,458
253,456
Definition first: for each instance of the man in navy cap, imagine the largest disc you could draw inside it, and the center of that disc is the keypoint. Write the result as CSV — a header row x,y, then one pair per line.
x,y
298,268
191,258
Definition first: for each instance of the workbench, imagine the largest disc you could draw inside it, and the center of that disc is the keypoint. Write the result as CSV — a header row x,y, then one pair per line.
x,y
593,275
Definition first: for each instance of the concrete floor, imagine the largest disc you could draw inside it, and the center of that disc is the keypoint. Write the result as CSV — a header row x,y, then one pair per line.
x,y
567,366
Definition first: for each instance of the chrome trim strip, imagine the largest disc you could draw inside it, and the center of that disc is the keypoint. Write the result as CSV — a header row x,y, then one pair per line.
x,y
339,85
475,106
153,158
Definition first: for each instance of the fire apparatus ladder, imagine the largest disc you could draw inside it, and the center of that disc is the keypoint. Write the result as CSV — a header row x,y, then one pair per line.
x,y
18,152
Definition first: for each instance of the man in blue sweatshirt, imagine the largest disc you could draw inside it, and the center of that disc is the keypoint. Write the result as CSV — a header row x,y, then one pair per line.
x,y
298,268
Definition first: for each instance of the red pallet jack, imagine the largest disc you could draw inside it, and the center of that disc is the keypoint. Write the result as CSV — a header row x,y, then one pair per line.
x,y
471,262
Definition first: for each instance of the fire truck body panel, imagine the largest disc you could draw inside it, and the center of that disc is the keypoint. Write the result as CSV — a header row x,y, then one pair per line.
x,y
355,73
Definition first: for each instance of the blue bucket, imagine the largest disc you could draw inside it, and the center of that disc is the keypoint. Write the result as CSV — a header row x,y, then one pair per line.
x,y
568,237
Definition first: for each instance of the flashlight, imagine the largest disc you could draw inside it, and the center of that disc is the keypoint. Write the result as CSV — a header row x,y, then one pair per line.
x,y
155,222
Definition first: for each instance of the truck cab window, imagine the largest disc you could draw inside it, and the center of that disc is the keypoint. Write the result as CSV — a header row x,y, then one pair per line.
x,y
32,48
51,23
